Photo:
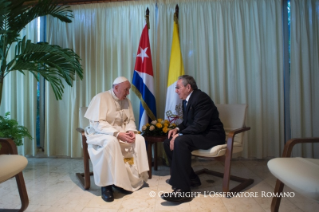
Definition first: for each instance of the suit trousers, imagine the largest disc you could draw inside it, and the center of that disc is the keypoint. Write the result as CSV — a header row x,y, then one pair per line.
x,y
180,158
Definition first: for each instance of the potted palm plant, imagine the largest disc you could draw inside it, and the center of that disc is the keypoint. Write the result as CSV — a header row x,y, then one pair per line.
x,y
54,63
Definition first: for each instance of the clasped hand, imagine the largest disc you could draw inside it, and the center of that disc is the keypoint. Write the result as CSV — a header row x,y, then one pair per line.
x,y
128,136
172,134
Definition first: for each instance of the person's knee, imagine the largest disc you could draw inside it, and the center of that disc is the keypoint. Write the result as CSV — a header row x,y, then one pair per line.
x,y
111,141
179,142
139,138
166,142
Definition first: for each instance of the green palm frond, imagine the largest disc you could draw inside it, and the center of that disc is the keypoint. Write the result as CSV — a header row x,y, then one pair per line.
x,y
15,15
50,7
54,63
51,61
4,9
4,4
21,13
13,9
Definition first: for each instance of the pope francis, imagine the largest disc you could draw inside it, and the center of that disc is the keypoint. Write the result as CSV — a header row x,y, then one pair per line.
x,y
117,153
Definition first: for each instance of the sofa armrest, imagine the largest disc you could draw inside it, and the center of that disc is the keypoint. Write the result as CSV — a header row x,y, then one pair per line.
x,y
291,143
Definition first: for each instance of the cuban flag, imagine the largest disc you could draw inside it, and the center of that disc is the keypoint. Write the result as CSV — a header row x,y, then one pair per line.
x,y
143,80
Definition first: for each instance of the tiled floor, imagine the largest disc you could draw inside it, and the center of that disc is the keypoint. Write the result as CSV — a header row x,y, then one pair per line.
x,y
52,186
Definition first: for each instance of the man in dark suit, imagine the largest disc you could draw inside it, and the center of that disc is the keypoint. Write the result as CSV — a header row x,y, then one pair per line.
x,y
201,129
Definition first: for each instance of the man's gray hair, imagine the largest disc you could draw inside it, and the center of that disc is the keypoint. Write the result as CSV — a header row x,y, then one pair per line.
x,y
186,79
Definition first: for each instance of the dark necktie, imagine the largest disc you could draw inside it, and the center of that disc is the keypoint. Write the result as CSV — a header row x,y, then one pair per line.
x,y
184,105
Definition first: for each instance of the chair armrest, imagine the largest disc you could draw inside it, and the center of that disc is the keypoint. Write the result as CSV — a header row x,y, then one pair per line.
x,y
83,138
8,146
80,130
231,134
291,143
230,138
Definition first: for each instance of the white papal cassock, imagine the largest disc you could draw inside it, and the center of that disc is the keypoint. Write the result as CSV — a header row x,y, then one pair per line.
x,y
108,116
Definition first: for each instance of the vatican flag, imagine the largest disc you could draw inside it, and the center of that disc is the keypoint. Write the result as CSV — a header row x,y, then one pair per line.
x,y
173,108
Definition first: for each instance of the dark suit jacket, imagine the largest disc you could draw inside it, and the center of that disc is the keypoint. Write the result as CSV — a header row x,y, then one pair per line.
x,y
201,116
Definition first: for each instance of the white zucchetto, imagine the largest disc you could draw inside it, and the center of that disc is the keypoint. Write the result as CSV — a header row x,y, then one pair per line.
x,y
119,80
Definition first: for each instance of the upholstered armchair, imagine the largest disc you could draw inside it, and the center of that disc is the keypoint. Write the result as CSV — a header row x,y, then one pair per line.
x,y
233,118
300,174
12,165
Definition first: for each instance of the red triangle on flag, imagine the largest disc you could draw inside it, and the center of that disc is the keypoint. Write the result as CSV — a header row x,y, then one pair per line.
x,y
143,61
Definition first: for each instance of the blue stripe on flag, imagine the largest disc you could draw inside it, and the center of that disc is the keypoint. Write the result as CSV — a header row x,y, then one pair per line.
x,y
144,119
141,113
147,95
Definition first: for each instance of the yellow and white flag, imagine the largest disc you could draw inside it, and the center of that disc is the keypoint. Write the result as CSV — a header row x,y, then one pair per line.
x,y
173,108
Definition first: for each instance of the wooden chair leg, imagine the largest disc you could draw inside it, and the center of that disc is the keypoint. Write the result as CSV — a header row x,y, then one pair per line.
x,y
226,177
244,183
155,156
149,155
22,191
84,178
276,200
87,174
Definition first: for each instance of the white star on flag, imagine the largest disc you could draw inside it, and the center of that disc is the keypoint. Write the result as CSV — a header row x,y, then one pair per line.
x,y
143,54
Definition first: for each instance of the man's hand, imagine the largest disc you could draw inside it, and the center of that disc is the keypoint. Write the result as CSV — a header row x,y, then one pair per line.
x,y
172,133
171,144
127,136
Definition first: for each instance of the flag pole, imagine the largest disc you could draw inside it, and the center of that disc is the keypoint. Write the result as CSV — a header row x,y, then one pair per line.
x,y
147,18
143,77
173,105
176,14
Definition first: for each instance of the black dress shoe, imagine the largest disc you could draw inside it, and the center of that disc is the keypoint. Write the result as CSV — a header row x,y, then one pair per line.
x,y
168,182
178,195
195,182
122,190
107,194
